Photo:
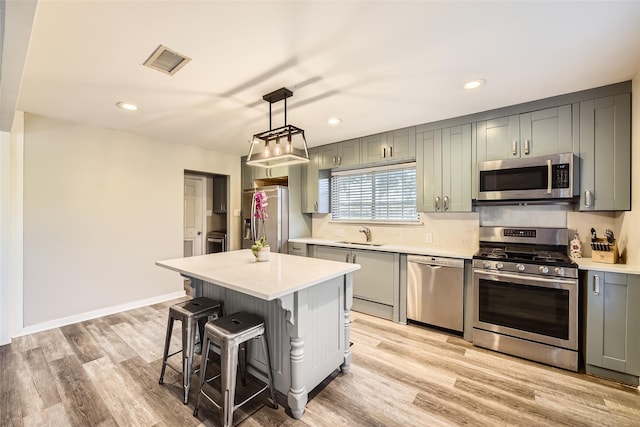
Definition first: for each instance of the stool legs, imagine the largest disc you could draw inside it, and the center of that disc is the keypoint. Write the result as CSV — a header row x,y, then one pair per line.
x,y
188,344
265,348
167,343
203,370
229,367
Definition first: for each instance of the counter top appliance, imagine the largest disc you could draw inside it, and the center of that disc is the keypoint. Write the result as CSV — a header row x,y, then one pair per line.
x,y
526,295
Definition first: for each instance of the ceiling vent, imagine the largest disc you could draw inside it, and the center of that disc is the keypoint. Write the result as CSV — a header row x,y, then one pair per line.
x,y
166,60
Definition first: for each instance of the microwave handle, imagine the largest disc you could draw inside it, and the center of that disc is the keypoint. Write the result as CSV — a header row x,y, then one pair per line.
x,y
549,176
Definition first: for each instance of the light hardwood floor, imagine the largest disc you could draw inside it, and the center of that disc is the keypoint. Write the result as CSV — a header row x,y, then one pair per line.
x,y
104,372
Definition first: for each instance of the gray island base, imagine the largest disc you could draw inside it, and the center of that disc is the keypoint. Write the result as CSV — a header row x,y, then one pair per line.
x,y
305,303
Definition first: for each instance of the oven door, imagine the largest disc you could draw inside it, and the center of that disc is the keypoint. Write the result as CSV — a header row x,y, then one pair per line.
x,y
539,309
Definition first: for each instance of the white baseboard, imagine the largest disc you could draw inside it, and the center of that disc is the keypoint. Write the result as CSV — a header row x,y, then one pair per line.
x,y
96,313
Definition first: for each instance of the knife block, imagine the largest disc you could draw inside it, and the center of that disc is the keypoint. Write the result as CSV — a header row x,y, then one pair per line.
x,y
607,257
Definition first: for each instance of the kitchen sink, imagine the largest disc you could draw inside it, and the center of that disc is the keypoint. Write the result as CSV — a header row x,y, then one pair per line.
x,y
361,243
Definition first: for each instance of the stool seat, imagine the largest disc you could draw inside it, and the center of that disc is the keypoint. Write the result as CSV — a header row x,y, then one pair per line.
x,y
231,334
193,314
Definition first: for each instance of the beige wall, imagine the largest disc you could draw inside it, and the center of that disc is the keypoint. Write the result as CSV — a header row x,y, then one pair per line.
x,y
100,207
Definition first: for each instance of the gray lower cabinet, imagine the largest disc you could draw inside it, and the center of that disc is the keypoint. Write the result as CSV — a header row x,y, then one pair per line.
x,y
376,284
605,153
220,194
613,326
536,133
443,170
315,186
299,249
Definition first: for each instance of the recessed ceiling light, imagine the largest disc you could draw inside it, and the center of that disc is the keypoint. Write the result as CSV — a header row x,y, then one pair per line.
x,y
334,121
127,106
473,84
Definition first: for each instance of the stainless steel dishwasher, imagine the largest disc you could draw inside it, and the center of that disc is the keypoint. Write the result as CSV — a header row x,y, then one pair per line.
x,y
435,291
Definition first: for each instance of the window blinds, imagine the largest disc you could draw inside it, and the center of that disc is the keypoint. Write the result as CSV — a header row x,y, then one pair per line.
x,y
386,193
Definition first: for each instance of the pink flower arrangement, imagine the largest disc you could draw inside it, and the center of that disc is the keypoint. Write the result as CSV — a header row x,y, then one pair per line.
x,y
260,199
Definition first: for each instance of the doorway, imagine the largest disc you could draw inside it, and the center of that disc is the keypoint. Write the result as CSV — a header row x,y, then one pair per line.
x,y
206,216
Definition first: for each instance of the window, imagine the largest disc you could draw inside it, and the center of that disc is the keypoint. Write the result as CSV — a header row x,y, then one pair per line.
x,y
386,193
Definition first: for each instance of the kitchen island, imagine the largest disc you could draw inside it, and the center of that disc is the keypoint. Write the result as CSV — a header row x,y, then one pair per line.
x,y
305,303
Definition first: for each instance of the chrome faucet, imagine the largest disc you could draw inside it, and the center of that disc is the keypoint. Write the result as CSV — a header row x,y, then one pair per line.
x,y
366,232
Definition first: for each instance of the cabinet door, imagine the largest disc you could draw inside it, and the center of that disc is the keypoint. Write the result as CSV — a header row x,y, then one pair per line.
x,y
428,171
315,185
546,132
328,156
349,152
220,194
500,139
402,143
605,153
456,169
332,254
375,279
374,148
246,173
612,335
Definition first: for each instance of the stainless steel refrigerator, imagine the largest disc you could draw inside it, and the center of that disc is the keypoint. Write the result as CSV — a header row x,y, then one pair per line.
x,y
276,227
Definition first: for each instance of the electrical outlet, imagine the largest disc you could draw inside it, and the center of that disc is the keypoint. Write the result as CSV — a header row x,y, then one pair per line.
x,y
339,232
429,238
236,212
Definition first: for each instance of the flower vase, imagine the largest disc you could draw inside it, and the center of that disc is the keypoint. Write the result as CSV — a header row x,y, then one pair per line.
x,y
263,254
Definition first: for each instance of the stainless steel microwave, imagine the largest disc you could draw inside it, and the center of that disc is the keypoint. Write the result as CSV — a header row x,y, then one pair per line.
x,y
532,178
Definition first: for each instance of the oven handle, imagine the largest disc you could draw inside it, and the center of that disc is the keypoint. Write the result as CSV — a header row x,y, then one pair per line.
x,y
549,176
530,278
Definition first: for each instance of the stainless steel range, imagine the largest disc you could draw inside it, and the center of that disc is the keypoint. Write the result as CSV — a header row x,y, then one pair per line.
x,y
526,295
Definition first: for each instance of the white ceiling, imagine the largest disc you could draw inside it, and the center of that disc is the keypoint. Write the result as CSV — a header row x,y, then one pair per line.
x,y
377,65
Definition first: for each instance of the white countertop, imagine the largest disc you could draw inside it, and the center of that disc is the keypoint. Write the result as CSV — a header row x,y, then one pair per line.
x,y
239,271
589,264
464,253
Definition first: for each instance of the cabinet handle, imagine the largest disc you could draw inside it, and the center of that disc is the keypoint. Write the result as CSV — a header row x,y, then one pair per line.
x,y
526,146
346,257
315,206
437,203
446,203
354,259
384,152
514,147
596,284
549,176
588,198
334,160
339,160
390,151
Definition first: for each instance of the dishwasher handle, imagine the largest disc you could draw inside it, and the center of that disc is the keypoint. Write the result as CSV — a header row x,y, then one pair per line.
x,y
436,261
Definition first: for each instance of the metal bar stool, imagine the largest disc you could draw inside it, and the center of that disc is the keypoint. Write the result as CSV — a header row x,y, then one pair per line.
x,y
230,334
191,313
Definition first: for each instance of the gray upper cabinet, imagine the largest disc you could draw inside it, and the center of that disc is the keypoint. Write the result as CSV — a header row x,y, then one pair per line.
x,y
536,133
389,146
613,323
443,170
220,194
345,153
605,154
315,185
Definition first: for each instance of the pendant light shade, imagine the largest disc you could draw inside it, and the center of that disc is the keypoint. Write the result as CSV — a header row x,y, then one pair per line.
x,y
282,146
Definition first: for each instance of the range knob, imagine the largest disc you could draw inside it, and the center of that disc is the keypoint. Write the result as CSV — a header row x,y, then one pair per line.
x,y
487,264
543,269
520,267
559,271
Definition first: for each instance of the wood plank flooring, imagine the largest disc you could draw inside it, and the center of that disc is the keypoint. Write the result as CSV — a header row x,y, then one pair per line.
x,y
104,372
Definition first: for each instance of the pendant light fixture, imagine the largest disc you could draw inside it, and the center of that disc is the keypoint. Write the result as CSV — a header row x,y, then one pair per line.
x,y
278,143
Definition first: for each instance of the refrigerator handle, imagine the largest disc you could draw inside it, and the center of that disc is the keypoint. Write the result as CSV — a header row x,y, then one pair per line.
x,y
253,218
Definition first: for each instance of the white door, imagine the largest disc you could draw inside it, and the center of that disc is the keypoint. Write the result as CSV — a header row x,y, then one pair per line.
x,y
193,216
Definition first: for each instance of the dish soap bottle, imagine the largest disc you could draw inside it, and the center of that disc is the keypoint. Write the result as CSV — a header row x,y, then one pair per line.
x,y
576,247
